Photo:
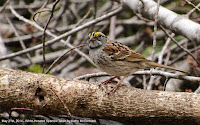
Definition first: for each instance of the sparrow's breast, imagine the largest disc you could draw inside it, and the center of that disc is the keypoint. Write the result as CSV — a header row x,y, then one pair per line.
x,y
106,64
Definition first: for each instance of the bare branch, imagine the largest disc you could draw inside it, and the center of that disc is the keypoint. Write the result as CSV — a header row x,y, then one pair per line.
x,y
153,72
175,22
58,37
128,104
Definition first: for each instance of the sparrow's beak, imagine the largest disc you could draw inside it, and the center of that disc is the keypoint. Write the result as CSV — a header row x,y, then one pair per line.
x,y
93,36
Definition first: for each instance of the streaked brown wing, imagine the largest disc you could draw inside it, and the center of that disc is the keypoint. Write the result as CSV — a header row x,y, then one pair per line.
x,y
134,56
118,51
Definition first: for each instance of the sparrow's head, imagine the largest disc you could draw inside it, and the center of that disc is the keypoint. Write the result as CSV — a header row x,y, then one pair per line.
x,y
97,40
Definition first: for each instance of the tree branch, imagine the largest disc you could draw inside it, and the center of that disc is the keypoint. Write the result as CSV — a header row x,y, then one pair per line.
x,y
173,21
30,90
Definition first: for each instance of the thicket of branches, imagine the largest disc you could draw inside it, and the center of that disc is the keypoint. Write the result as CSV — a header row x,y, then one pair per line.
x,y
25,26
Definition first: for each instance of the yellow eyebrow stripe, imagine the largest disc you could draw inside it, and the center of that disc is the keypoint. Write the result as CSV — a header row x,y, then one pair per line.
x,y
96,34
89,34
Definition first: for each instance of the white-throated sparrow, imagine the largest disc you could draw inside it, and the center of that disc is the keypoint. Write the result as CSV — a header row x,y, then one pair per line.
x,y
117,59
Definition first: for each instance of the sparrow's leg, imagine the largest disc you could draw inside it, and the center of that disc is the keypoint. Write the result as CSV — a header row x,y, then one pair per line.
x,y
118,84
107,81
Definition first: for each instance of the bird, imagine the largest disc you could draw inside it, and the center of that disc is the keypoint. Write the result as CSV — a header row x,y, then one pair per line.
x,y
117,59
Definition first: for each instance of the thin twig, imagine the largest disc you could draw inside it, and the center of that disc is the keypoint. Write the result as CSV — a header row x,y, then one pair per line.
x,y
181,55
17,35
44,33
144,82
114,12
82,19
38,12
4,6
67,109
147,72
88,76
160,58
95,8
43,6
151,81
25,109
112,28
165,83
192,11
188,2
23,38
50,67
186,50
60,14
140,46
67,41
155,29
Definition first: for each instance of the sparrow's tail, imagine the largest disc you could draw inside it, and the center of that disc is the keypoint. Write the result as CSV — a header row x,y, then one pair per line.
x,y
154,64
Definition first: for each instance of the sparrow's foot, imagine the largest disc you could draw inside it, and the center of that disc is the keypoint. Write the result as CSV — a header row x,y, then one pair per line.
x,y
109,80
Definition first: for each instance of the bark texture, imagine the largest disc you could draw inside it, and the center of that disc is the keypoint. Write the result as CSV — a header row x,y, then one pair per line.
x,y
30,90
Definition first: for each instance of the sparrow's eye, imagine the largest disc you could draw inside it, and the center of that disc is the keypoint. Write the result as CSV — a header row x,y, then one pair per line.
x,y
95,35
